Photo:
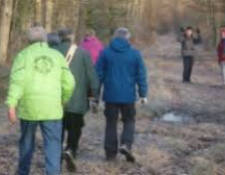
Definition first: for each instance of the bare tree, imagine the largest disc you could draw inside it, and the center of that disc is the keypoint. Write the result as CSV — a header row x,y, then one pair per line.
x,y
49,4
212,10
78,6
38,11
6,15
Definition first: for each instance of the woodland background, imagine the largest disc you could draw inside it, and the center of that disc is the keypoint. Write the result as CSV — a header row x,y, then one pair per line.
x,y
146,19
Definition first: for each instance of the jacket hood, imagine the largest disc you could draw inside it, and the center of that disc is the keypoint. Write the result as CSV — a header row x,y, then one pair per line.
x,y
53,39
120,44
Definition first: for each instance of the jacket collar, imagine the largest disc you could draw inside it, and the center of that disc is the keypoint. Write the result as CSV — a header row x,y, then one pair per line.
x,y
40,44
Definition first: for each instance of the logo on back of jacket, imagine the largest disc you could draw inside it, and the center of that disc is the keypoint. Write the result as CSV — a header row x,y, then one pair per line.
x,y
43,64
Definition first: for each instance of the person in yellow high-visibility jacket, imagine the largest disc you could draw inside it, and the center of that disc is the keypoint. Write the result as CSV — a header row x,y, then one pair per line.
x,y
40,83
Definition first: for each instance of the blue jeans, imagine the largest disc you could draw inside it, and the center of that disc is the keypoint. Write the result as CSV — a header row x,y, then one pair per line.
x,y
51,133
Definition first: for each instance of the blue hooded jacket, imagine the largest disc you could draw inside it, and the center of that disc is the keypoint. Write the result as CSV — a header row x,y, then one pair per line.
x,y
121,71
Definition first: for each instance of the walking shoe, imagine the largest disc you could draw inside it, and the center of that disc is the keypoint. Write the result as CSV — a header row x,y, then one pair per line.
x,y
110,158
70,161
127,153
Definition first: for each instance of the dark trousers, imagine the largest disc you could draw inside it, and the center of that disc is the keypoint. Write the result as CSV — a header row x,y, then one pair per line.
x,y
188,62
72,124
128,118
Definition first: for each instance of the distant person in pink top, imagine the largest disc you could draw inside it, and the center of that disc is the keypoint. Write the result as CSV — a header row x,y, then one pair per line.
x,y
92,44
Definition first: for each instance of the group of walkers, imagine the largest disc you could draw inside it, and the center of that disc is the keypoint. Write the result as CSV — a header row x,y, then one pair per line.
x,y
51,85
54,82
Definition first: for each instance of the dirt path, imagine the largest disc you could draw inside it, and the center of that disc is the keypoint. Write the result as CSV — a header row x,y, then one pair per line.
x,y
161,148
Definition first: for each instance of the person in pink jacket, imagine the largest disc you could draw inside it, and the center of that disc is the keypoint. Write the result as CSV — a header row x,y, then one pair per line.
x,y
92,44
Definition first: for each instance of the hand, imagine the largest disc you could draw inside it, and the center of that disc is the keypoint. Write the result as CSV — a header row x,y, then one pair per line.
x,y
12,116
143,101
63,103
94,106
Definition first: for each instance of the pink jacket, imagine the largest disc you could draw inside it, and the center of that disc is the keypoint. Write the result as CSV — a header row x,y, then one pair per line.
x,y
94,46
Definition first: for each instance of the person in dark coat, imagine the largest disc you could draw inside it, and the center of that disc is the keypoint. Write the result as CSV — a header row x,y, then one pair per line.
x,y
122,73
188,41
87,82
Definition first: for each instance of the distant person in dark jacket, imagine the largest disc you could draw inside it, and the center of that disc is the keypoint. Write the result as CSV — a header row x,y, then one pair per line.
x,y
122,73
221,54
188,40
83,70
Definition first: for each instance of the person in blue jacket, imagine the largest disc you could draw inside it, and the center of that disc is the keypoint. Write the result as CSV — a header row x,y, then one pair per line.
x,y
122,73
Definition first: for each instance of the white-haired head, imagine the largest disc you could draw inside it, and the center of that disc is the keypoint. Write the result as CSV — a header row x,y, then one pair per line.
x,y
37,34
122,32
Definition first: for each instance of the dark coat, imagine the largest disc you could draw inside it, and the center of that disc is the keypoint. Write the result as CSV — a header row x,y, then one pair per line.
x,y
86,79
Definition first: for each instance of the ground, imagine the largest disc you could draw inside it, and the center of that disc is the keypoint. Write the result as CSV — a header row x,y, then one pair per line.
x,y
193,147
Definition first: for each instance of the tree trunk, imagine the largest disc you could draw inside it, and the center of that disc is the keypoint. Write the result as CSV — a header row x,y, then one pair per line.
x,y
38,11
49,4
6,15
211,6
214,23
129,11
77,5
79,22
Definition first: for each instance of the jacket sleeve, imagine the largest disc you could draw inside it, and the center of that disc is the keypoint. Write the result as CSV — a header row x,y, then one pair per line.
x,y
93,81
16,82
141,77
68,82
180,38
197,39
101,68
